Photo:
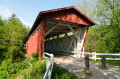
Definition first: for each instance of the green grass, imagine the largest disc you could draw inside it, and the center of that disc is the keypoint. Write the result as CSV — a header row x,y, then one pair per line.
x,y
103,67
35,71
10,70
60,73
114,62
87,73
31,69
110,62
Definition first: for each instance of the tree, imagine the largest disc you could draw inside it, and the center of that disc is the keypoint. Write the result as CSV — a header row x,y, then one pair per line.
x,y
88,7
3,36
108,11
105,38
12,38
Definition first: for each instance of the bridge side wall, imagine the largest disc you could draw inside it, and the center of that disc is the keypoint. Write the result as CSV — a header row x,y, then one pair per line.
x,y
36,40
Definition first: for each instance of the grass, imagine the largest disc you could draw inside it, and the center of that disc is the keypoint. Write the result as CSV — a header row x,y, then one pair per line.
x,y
27,69
60,73
87,73
38,69
110,62
35,71
103,67
114,62
32,69
10,70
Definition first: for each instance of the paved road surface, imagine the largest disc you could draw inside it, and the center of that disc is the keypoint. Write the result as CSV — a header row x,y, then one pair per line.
x,y
76,66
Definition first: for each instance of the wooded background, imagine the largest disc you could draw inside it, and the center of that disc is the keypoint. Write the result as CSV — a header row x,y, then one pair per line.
x,y
105,36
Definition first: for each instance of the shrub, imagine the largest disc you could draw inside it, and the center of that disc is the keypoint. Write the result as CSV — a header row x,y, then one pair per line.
x,y
8,69
38,69
35,55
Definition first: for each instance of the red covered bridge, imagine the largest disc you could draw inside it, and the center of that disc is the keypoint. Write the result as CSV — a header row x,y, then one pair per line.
x,y
61,30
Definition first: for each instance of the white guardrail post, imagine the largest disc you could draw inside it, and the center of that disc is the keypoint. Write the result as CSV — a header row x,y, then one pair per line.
x,y
94,55
83,54
43,54
49,66
52,65
119,55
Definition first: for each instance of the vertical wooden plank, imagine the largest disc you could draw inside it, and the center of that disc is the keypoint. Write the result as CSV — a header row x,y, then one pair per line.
x,y
41,38
63,45
79,41
85,38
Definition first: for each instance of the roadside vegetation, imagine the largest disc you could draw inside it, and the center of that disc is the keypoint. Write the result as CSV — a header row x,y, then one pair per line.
x,y
12,40
60,73
102,38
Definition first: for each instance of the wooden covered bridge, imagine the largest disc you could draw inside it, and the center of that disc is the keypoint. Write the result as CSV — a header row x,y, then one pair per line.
x,y
61,30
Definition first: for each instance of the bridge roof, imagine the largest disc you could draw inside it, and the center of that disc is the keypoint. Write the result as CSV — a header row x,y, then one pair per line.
x,y
61,11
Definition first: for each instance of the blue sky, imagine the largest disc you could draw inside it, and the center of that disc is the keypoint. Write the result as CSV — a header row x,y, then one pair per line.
x,y
27,10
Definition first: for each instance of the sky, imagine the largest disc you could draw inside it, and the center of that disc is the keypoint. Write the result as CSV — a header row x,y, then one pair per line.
x,y
28,10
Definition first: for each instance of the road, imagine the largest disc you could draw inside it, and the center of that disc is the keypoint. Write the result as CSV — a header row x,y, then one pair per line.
x,y
76,66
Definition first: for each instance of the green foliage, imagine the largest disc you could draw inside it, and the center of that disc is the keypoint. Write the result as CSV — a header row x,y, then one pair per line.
x,y
87,73
59,73
8,70
105,37
103,67
38,70
108,11
12,39
113,62
35,55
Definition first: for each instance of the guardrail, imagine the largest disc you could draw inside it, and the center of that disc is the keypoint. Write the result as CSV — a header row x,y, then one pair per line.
x,y
49,66
94,55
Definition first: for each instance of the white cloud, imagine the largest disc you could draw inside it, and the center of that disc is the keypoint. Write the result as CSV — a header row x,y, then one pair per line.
x,y
26,23
6,13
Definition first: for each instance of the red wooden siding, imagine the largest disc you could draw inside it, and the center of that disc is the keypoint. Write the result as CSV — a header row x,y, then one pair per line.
x,y
41,36
68,15
36,42
32,44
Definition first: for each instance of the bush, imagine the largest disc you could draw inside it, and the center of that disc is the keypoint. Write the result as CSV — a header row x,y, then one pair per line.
x,y
36,70
8,69
35,55
31,69
15,55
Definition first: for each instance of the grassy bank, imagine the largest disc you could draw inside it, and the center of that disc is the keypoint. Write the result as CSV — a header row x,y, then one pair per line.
x,y
110,62
31,69
60,73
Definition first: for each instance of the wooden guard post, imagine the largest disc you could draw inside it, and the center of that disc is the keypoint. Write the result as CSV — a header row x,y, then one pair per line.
x,y
103,60
87,63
